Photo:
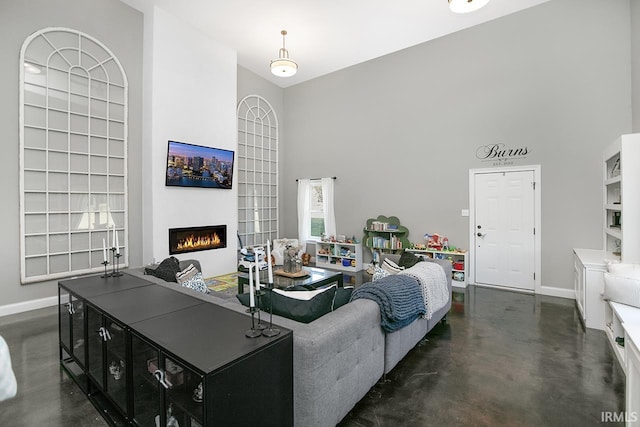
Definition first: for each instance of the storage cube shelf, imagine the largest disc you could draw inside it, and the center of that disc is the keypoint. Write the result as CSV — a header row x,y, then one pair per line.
x,y
339,256
458,260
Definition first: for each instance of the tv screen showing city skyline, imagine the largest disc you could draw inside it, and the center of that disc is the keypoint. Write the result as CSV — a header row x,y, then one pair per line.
x,y
190,165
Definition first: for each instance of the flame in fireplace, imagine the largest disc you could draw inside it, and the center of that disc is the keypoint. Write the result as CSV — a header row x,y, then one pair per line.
x,y
193,242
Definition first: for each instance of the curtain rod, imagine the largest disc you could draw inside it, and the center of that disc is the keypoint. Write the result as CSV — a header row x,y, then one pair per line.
x,y
316,179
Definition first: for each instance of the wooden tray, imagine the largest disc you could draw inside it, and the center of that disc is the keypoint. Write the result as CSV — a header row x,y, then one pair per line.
x,y
301,273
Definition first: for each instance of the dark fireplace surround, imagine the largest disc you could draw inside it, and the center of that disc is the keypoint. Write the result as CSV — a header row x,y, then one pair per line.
x,y
193,239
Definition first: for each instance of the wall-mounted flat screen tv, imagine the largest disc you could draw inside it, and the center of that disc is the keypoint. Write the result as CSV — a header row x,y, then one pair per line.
x,y
190,165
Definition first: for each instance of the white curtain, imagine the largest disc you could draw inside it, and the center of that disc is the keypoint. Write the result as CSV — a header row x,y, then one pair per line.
x,y
328,207
304,216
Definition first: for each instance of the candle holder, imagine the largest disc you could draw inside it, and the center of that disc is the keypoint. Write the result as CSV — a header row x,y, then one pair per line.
x,y
105,275
270,331
259,294
116,263
253,332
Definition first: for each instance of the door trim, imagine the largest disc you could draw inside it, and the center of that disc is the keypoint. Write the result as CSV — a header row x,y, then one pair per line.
x,y
537,287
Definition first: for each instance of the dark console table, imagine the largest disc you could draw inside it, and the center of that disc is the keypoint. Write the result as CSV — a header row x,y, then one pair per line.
x,y
147,355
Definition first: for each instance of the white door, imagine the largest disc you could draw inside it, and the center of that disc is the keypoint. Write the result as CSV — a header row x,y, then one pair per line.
x,y
504,231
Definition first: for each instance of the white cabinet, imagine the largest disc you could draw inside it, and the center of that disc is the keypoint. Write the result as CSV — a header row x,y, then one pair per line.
x,y
339,256
632,342
458,262
621,199
589,267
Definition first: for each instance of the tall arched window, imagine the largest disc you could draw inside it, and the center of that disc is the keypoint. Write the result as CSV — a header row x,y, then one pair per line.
x,y
73,155
257,171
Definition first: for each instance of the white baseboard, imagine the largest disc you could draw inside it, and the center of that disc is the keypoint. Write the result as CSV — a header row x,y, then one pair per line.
x,y
21,307
557,292
544,290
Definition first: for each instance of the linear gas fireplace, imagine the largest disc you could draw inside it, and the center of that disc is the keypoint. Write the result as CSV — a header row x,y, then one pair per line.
x,y
192,239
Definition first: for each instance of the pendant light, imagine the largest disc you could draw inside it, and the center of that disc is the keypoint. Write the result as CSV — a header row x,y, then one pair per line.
x,y
465,6
283,66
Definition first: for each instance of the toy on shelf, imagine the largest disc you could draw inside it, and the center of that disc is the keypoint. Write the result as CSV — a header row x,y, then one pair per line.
x,y
435,242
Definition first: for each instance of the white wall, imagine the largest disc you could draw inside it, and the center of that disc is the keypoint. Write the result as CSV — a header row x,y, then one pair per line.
x,y
192,99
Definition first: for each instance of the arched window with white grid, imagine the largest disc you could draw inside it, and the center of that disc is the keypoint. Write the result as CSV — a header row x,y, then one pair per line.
x,y
257,171
73,155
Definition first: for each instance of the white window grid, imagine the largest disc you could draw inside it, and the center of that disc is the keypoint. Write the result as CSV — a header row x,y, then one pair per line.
x,y
73,154
257,171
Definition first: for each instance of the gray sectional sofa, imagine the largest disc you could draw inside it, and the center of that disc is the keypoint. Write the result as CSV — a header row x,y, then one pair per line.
x,y
338,357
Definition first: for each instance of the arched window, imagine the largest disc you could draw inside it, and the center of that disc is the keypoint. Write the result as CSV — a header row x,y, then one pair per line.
x,y
257,171
73,155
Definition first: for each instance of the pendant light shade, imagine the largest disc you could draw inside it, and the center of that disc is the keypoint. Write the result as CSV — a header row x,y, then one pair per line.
x,y
465,6
283,66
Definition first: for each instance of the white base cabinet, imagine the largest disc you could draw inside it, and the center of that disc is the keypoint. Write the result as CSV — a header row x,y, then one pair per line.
x,y
589,268
632,342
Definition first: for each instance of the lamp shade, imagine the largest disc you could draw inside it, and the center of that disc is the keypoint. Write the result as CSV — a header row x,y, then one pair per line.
x,y
465,6
283,66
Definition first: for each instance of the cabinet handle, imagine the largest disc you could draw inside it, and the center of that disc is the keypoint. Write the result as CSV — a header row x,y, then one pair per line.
x,y
104,333
160,376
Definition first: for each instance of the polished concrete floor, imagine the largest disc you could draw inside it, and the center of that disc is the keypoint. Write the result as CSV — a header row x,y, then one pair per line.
x,y
502,358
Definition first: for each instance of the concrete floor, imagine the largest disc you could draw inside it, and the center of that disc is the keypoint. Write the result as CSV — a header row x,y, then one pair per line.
x,y
502,358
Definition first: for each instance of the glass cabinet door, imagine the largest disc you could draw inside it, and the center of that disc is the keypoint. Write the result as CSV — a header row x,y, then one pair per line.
x,y
165,392
184,396
71,317
146,386
77,329
64,315
96,336
115,347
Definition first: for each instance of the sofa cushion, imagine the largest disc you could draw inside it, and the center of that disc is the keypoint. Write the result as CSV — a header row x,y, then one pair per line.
x,y
166,270
195,282
391,266
408,260
186,274
301,306
379,273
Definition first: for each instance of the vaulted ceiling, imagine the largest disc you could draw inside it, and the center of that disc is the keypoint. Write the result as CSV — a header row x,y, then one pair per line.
x,y
325,36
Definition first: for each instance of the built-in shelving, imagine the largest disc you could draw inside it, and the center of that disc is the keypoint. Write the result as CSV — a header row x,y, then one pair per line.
x,y
620,199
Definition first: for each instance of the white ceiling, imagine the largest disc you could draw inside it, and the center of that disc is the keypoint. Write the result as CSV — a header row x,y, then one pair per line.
x,y
326,35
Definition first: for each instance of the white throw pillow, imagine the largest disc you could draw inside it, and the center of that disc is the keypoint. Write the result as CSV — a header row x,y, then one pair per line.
x,y
625,270
625,290
279,245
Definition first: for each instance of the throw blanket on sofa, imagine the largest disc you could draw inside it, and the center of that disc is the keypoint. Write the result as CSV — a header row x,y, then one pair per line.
x,y
399,298
433,283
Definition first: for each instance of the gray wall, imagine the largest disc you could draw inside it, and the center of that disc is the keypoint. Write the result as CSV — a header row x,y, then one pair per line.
x,y
400,132
119,27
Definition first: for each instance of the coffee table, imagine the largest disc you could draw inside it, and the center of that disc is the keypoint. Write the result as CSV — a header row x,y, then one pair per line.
x,y
317,277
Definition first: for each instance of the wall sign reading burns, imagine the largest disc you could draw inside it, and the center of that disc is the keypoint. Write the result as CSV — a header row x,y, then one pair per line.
x,y
500,155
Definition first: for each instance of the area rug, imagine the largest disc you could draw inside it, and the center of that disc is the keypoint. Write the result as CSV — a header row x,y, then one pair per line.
x,y
226,284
